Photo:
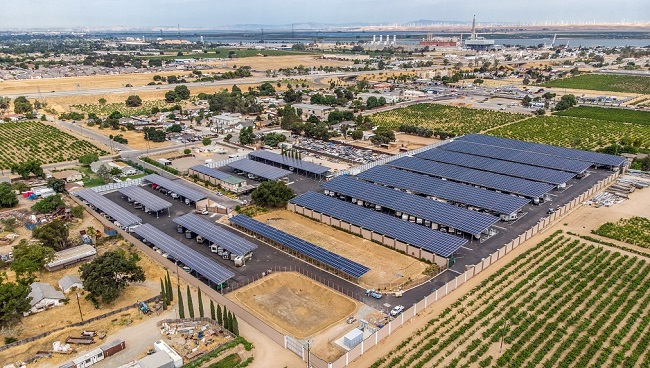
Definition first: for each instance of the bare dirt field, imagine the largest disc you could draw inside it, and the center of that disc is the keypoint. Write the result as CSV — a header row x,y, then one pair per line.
x,y
402,141
277,62
135,138
294,303
386,266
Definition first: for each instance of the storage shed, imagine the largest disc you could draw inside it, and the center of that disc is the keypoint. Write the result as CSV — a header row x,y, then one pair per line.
x,y
68,282
113,347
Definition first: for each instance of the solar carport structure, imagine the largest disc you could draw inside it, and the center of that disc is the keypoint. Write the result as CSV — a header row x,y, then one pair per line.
x,y
216,235
504,183
176,187
416,240
259,169
502,204
211,270
119,214
426,211
285,162
316,254
150,201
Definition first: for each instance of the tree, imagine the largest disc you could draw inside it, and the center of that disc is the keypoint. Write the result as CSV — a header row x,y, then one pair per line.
x,y
88,158
57,184
30,258
170,96
200,299
104,173
172,79
190,303
49,204
22,105
566,101
266,89
246,136
225,318
235,325
114,171
525,102
181,310
77,211
4,103
182,92
108,275
170,291
383,135
14,300
8,197
206,141
478,81
133,101
175,128
163,295
102,101
27,168
272,194
229,321
228,137
357,134
549,95
187,151
273,139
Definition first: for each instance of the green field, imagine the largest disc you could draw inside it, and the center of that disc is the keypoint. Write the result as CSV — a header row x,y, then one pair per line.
x,y
635,230
450,119
563,303
20,142
572,132
223,53
107,109
605,82
609,114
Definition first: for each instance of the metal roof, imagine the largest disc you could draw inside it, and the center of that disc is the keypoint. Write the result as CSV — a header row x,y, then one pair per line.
x,y
288,161
216,234
149,200
419,236
468,221
214,173
527,188
517,170
119,214
444,189
176,187
310,250
593,157
207,267
257,168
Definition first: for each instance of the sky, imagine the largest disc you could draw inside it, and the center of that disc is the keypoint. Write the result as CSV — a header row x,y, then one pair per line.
x,y
25,14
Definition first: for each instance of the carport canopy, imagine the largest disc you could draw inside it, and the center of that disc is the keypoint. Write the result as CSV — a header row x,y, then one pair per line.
x,y
149,200
176,187
119,214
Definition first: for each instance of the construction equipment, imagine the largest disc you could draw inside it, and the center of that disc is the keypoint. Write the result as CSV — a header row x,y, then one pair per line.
x,y
144,308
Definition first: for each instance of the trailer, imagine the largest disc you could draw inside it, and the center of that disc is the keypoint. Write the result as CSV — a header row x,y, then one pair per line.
x,y
82,340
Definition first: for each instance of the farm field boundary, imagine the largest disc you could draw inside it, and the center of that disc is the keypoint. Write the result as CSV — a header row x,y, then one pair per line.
x,y
605,82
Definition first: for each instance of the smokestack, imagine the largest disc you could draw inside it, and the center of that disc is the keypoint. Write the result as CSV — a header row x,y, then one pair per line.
x,y
380,38
394,39
474,28
374,39
387,39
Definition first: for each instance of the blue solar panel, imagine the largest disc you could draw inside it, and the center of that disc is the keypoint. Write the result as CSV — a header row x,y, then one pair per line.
x,y
257,168
119,214
195,260
527,188
593,157
215,234
313,251
288,161
444,189
422,237
468,221
175,186
214,173
149,200
497,166
524,157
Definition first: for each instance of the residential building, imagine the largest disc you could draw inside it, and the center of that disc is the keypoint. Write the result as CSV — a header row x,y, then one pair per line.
x,y
412,94
319,111
67,175
43,296
68,282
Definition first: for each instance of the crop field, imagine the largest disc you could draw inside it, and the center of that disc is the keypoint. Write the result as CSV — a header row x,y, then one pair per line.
x,y
563,303
109,108
605,82
20,142
572,132
635,230
443,118
609,114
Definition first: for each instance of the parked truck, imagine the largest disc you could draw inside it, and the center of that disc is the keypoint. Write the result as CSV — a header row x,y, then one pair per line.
x,y
374,294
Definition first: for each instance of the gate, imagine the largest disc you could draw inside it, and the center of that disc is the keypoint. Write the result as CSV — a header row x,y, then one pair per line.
x,y
295,345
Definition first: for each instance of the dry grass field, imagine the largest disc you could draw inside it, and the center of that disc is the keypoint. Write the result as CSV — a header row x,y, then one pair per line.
x,y
294,303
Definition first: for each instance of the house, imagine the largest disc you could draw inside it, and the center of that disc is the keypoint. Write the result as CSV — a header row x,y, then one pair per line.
x,y
224,120
67,175
43,296
68,282
94,167
128,170
412,94
389,97
319,111
244,124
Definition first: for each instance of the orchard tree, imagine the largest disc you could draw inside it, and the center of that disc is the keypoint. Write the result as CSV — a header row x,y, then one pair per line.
x,y
108,275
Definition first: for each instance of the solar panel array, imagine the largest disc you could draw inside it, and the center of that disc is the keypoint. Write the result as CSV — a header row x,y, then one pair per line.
x,y
524,157
176,187
593,157
215,234
291,162
498,166
313,251
509,184
257,168
427,239
109,207
150,201
213,173
444,189
212,270
468,221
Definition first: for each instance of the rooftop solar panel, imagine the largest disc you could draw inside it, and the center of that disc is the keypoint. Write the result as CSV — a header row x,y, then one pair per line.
x,y
422,237
468,221
265,171
212,270
313,251
215,234
288,161
124,217
176,186
517,170
524,157
211,172
149,200
593,157
526,188
456,192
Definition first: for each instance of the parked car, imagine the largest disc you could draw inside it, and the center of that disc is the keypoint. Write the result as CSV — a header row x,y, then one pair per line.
x,y
397,310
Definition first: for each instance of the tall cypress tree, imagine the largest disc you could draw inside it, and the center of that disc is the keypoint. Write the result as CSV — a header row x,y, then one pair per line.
x,y
201,314
229,321
190,304
170,292
219,315
181,311
225,318
163,294
235,325
212,312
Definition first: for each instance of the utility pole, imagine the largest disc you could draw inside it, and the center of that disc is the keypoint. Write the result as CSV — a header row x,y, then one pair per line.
x,y
79,305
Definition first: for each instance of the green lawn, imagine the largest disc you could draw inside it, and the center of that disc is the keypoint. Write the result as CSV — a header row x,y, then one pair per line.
x,y
605,82
609,114
133,176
